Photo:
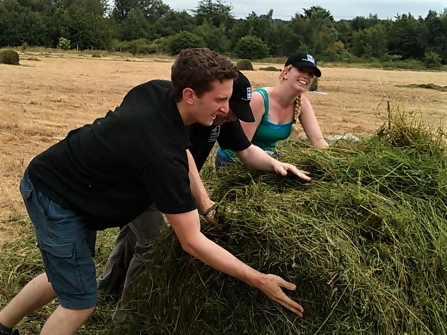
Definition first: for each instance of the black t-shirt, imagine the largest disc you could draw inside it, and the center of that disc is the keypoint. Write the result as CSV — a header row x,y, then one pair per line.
x,y
110,171
230,135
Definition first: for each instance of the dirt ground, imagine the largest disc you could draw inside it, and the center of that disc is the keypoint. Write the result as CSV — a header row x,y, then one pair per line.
x,y
49,94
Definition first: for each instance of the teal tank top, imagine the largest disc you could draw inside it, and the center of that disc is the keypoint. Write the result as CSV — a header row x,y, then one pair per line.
x,y
267,134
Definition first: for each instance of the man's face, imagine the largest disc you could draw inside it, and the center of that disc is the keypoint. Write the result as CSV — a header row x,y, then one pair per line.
x,y
213,103
222,118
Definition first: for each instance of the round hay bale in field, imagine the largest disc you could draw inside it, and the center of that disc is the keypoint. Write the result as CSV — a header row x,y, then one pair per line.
x,y
9,57
314,86
269,68
365,242
244,65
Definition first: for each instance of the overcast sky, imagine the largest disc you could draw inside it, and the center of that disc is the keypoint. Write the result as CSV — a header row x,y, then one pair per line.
x,y
340,9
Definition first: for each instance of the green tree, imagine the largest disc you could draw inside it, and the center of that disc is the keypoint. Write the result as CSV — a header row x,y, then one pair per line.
x,y
216,12
337,52
173,22
317,11
23,23
299,34
436,33
407,37
251,47
135,26
370,43
184,40
214,37
86,30
344,32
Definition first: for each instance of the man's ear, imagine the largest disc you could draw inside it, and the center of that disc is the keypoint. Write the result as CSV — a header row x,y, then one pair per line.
x,y
189,95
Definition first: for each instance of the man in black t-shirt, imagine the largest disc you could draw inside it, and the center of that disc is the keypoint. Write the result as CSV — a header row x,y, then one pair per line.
x,y
107,173
132,246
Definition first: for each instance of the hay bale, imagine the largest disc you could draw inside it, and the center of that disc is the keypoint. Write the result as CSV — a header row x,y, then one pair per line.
x,y
269,68
314,86
244,65
365,242
9,57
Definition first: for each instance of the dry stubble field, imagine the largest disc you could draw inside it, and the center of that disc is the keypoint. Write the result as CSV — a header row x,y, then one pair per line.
x,y
41,100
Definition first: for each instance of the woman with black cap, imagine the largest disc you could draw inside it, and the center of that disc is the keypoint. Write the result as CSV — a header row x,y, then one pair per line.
x,y
277,108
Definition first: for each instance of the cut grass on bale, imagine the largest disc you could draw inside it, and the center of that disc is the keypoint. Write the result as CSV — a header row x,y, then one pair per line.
x,y
365,242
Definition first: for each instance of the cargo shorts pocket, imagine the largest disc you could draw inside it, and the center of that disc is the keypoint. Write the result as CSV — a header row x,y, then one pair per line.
x,y
61,267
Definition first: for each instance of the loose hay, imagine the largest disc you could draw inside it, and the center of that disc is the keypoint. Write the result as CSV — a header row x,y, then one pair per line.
x,y
365,242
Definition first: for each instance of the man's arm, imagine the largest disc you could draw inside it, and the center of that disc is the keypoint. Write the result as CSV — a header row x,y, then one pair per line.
x,y
187,228
198,190
258,159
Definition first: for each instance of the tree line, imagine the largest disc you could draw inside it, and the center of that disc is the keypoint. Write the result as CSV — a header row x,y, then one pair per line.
x,y
151,26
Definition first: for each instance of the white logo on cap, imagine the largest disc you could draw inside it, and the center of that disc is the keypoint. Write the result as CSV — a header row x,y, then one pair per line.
x,y
310,59
248,93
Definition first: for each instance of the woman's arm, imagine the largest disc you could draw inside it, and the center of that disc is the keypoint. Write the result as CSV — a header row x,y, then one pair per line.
x,y
310,124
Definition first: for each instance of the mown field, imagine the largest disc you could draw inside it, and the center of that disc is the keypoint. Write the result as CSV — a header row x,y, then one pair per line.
x,y
50,94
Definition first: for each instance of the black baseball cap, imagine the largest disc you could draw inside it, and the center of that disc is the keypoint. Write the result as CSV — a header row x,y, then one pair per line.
x,y
301,60
241,97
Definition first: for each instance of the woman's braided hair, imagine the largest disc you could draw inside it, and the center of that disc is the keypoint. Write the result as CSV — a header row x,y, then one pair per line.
x,y
297,105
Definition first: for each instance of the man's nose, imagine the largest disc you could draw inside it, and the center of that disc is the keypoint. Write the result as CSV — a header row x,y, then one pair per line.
x,y
225,108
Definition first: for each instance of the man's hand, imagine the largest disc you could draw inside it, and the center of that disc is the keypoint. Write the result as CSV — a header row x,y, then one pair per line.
x,y
187,228
285,169
271,286
210,214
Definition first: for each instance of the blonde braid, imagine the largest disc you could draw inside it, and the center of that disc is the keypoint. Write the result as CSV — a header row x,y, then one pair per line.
x,y
296,112
297,108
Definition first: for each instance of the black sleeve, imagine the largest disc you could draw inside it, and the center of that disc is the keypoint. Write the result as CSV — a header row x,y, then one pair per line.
x,y
168,184
232,137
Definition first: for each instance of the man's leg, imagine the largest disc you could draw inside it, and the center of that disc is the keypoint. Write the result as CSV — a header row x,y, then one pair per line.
x,y
37,293
65,321
66,246
146,228
114,275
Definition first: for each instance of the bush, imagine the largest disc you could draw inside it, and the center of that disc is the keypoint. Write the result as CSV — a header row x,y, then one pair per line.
x,y
9,57
314,85
251,48
184,40
336,52
244,64
432,60
64,43
136,46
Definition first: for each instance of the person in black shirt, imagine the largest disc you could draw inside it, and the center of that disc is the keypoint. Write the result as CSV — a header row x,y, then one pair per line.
x,y
107,173
132,246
